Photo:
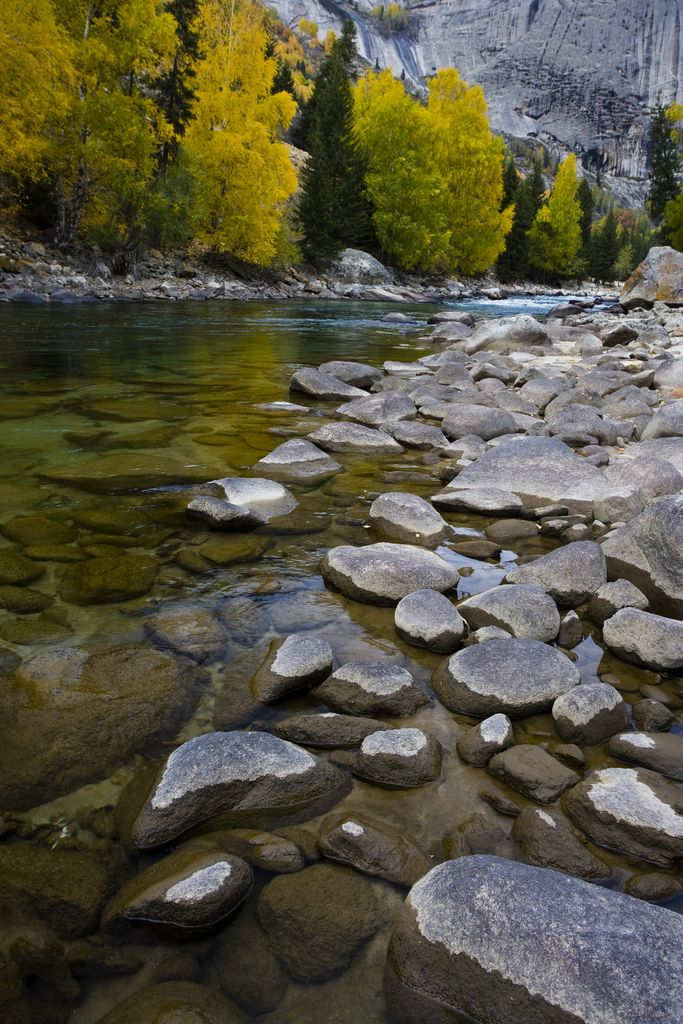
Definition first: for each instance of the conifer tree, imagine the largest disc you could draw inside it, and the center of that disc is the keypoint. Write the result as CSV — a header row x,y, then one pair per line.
x,y
284,80
664,160
334,210
585,198
175,93
513,264
536,187
605,249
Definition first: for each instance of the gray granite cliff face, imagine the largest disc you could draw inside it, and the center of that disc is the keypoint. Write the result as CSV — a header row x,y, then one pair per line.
x,y
579,76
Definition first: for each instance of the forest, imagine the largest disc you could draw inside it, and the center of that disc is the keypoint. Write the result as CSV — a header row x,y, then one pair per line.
x,y
129,124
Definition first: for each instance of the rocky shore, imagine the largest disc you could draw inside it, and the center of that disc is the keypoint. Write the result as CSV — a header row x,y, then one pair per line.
x,y
564,779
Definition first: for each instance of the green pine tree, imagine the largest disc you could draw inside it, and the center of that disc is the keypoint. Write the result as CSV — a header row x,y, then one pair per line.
x,y
175,95
536,187
664,160
513,263
585,197
284,80
334,211
604,249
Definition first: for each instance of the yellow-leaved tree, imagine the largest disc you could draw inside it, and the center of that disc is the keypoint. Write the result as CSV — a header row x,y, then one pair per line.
x,y
248,171
434,173
555,235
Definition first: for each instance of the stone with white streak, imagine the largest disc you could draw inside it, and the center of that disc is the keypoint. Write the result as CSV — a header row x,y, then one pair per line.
x,y
471,943
372,688
610,597
482,741
373,849
227,780
590,714
632,810
217,514
651,641
267,497
428,619
399,758
659,751
292,662
547,840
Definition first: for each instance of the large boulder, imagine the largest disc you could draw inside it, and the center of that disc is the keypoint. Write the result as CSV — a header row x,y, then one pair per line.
x,y
383,574
509,331
590,714
610,597
571,575
631,810
531,770
650,641
358,375
355,438
108,580
73,715
659,278
232,779
524,611
514,677
654,477
323,385
399,758
472,943
353,266
666,422
297,460
648,553
406,517
539,469
547,840
257,493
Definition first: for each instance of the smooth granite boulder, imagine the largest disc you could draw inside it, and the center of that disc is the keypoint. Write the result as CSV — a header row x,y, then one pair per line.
x,y
328,730
297,460
590,714
385,573
641,638
268,497
571,574
376,410
524,611
547,840
354,438
412,434
292,662
508,331
471,943
487,501
406,517
656,279
652,716
478,745
217,514
477,419
648,552
428,619
654,477
514,677
227,779
373,848
358,375
610,597
399,758
372,688
633,810
660,751
529,769
323,385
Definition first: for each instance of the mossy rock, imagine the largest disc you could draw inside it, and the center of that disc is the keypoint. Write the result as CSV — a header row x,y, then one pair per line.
x,y
72,715
67,890
176,1002
158,437
33,630
118,474
36,530
24,599
224,550
53,553
17,570
131,410
111,520
107,580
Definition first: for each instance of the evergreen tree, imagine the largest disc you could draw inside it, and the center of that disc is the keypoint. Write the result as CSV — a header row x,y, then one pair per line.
x,y
664,160
175,95
604,249
536,187
513,264
284,80
585,198
510,183
334,210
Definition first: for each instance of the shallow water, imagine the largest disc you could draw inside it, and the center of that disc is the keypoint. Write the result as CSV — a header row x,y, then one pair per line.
x,y
183,381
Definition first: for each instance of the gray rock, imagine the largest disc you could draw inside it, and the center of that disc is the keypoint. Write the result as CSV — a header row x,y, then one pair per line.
x,y
510,331
358,375
524,611
382,574
373,849
478,745
354,437
428,619
511,529
515,677
406,517
191,889
401,758
328,730
484,500
295,460
423,436
400,384
190,628
571,630
230,779
319,919
659,751
668,375
261,495
538,469
533,772
611,597
652,716
372,688
452,331
323,385
574,396
654,477
571,575
570,753
618,504
590,714
451,955
353,266
666,422
480,636
653,886
263,850
292,662
547,840
477,419
379,409
580,417
669,449
641,638
244,619
222,515
541,391
632,810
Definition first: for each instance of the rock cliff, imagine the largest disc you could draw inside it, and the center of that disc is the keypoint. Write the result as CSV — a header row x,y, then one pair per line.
x,y
578,75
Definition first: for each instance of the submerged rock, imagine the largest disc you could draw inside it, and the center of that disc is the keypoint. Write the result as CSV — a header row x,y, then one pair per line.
x,y
373,849
400,758
372,688
385,573
16,570
173,1001
472,940
37,530
428,619
190,629
243,963
119,474
292,662
108,580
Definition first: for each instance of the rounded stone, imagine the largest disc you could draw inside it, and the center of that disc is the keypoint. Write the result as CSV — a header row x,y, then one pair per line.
x,y
175,1001
190,629
358,375
383,574
611,597
652,716
547,840
484,500
372,688
24,599
108,580
590,714
217,514
406,517
530,770
354,438
478,745
268,497
297,460
524,611
37,530
328,730
399,758
373,849
428,619
323,385
653,886
16,570
571,575
514,677
660,752
291,663
412,434
376,410
477,419
651,641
